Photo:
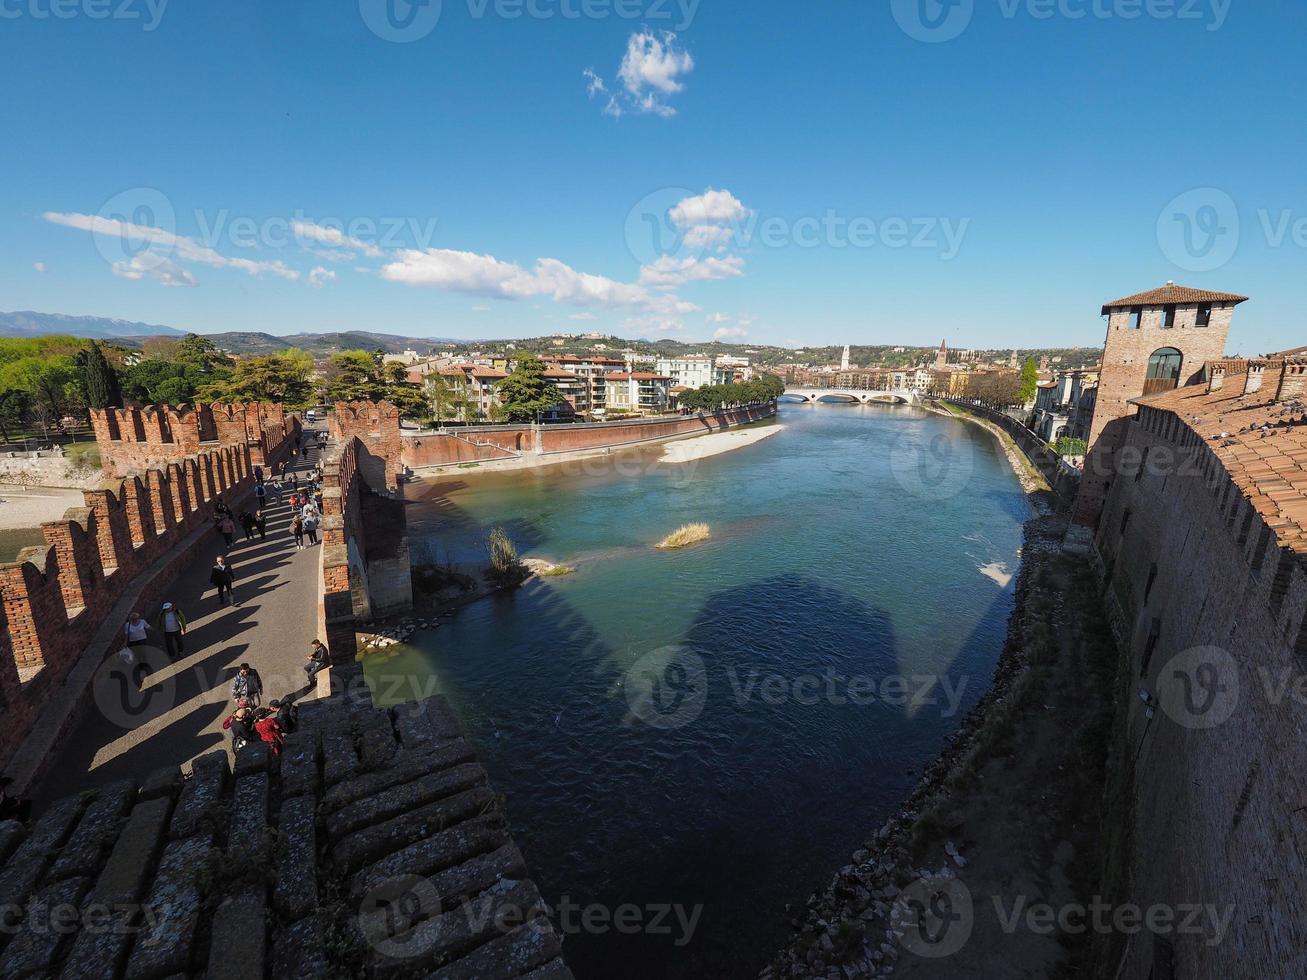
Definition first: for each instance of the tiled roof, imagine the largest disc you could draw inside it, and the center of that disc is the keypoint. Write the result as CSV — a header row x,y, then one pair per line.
x,y
1171,293
1261,443
560,374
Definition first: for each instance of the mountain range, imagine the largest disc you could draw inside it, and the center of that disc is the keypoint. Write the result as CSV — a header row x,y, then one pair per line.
x,y
27,323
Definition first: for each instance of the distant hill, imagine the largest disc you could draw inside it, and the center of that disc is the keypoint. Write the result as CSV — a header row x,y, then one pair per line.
x,y
321,344
27,323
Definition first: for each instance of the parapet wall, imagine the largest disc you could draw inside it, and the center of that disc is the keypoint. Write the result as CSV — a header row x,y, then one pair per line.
x,y
376,426
143,437
365,553
57,596
1208,594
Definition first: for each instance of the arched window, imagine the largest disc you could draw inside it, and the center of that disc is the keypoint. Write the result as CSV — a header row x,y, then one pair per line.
x,y
1163,370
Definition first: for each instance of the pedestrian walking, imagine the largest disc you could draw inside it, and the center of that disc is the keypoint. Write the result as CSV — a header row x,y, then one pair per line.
x,y
311,528
258,474
261,523
220,509
242,731
227,528
317,660
260,493
247,686
266,727
247,524
172,624
294,482
297,529
136,630
287,714
221,577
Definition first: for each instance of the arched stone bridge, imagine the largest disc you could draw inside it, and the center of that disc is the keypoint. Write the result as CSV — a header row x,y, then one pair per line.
x,y
897,397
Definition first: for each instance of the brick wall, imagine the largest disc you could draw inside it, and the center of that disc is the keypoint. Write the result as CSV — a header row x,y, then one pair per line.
x,y
1190,564
508,441
376,426
139,438
57,596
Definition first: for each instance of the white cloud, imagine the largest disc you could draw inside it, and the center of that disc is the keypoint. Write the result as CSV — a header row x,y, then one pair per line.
x,y
704,237
729,333
485,275
669,273
320,276
654,63
582,316
717,318
160,268
335,237
480,308
709,208
593,83
650,71
39,266
165,244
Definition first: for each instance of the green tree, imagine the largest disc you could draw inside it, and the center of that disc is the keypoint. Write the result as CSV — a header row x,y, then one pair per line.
x,y
100,380
1029,382
440,396
281,377
525,393
14,406
203,354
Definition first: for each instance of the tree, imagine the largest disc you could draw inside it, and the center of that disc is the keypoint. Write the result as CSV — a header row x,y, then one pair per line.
x,y
1029,382
203,354
14,406
101,381
440,396
525,393
282,377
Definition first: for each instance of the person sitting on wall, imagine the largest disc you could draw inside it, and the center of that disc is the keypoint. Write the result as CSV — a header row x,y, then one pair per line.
x,y
318,659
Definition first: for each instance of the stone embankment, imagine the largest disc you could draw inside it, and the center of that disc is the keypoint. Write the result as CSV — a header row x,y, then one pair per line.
x,y
371,846
865,920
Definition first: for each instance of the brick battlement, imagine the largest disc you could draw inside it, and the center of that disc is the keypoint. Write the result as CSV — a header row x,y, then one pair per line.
x,y
57,596
143,437
376,426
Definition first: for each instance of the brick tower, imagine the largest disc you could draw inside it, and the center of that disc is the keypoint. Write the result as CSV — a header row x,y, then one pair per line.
x,y
1156,340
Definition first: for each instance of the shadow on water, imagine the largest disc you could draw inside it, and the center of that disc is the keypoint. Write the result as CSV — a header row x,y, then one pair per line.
x,y
726,813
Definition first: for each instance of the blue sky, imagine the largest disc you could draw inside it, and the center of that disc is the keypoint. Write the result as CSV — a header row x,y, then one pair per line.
x,y
865,172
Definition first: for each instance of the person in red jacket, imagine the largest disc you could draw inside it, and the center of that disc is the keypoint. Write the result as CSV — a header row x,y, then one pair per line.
x,y
266,727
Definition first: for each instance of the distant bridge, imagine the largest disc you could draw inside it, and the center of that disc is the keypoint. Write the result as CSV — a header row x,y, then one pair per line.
x,y
897,397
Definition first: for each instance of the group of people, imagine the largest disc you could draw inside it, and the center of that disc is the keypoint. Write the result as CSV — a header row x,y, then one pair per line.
x,y
252,720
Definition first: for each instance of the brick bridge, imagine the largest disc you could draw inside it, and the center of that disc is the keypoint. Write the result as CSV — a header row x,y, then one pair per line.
x,y
896,397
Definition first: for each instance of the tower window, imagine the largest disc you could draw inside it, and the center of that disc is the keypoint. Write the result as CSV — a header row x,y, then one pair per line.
x,y
1169,320
1204,316
1163,370
1136,317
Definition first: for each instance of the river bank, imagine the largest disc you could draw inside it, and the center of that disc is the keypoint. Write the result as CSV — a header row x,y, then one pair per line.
x,y
1007,817
1032,481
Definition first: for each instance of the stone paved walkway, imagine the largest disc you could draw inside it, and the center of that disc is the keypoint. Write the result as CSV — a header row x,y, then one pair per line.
x,y
180,712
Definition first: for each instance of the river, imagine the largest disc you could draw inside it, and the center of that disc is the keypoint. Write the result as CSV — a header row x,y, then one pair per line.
x,y
689,740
